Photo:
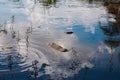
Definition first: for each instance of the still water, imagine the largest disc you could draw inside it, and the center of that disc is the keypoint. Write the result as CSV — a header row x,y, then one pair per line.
x,y
28,27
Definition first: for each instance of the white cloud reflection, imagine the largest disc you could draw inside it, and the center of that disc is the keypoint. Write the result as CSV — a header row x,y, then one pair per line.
x,y
45,23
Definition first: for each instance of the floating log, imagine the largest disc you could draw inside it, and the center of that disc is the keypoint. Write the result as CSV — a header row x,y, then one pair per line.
x,y
58,47
7,48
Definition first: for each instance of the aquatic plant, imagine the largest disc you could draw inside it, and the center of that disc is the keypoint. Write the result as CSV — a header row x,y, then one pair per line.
x,y
44,65
18,37
4,31
10,62
13,34
34,72
3,28
29,30
12,22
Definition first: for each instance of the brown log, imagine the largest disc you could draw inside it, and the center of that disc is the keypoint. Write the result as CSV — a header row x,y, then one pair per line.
x,y
58,47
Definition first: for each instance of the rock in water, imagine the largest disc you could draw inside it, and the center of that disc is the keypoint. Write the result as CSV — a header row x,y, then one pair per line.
x,y
70,32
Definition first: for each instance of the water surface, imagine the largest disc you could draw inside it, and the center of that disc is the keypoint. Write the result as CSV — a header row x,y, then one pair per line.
x,y
27,27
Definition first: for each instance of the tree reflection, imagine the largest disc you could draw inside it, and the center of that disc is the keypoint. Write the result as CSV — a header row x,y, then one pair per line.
x,y
113,9
85,74
14,0
112,44
119,57
48,2
111,41
112,31
90,1
111,63
114,26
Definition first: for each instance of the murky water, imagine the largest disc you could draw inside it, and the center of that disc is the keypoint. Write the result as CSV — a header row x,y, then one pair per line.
x,y
84,28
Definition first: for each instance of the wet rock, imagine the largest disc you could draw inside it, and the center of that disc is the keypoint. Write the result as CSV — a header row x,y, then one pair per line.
x,y
58,47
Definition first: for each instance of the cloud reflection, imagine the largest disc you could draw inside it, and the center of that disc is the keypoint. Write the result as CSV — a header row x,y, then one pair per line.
x,y
47,25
